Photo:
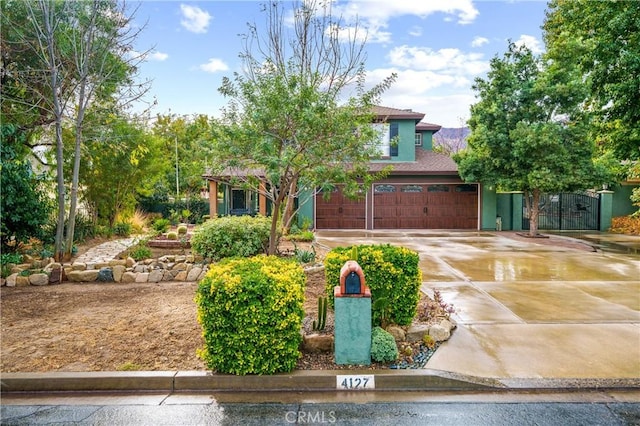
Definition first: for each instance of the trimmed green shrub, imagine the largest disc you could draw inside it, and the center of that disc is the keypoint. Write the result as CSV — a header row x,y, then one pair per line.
x,y
251,312
161,225
139,251
182,230
232,236
306,236
390,272
383,346
172,236
122,229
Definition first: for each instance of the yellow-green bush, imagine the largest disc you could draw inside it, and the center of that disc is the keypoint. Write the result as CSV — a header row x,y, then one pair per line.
x,y
251,312
390,272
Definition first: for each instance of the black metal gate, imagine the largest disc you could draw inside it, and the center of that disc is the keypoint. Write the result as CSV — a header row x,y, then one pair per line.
x,y
566,211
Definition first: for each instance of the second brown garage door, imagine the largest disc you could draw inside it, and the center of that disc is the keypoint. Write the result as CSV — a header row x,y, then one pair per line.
x,y
432,206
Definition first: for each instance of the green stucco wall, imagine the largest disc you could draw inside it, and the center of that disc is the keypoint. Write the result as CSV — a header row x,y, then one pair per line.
x,y
488,209
509,208
427,141
407,145
305,210
621,203
352,330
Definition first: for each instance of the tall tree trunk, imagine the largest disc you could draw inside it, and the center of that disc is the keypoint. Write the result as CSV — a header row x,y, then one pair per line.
x,y
287,216
534,213
49,16
75,178
83,56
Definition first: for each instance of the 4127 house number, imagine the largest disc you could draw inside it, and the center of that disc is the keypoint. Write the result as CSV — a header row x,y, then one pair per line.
x,y
356,382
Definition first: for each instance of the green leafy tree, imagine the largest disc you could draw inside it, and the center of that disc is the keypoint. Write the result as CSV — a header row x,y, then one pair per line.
x,y
602,39
187,143
528,130
24,208
122,160
285,129
62,57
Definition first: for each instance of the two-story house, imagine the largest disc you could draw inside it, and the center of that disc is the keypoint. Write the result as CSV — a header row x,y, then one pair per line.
x,y
423,191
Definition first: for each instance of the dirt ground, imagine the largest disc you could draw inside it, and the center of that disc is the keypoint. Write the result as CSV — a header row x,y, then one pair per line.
x,y
112,326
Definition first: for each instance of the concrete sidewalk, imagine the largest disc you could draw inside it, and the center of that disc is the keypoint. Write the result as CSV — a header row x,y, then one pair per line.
x,y
529,316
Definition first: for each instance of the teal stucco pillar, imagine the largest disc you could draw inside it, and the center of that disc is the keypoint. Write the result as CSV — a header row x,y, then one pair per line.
x,y
489,208
606,209
516,211
352,319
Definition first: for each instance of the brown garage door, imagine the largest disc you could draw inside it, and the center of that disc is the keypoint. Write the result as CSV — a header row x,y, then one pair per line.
x,y
433,206
340,212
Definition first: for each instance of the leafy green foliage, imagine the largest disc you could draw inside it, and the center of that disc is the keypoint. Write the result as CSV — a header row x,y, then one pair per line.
x,y
6,260
122,229
140,251
306,236
231,236
161,225
121,162
251,311
287,114
304,256
24,208
186,142
383,346
603,40
529,130
391,272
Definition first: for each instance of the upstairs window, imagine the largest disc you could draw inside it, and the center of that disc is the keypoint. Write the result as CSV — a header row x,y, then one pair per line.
x,y
394,139
418,139
389,139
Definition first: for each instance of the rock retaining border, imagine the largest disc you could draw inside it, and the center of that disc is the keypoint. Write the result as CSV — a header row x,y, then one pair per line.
x,y
165,268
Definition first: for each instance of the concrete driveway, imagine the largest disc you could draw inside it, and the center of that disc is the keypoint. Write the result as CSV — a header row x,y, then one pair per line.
x,y
525,310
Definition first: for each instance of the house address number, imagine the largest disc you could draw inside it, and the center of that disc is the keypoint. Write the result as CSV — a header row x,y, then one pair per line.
x,y
355,382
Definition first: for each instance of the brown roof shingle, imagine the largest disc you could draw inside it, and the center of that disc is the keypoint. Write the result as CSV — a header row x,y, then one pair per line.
x,y
385,113
426,162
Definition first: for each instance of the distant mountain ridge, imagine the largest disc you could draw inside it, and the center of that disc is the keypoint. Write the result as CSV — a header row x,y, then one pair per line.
x,y
451,139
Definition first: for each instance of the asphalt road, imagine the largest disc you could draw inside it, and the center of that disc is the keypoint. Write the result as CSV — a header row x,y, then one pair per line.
x,y
524,408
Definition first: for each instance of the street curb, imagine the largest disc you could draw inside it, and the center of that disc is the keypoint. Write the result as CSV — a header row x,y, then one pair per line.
x,y
299,381
179,381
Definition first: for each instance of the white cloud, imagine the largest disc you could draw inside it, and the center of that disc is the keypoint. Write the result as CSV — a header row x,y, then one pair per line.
x,y
447,61
531,42
194,19
214,65
158,56
479,41
382,10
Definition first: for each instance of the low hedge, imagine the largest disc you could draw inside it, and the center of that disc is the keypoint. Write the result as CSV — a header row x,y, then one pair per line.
x,y
231,236
390,272
251,312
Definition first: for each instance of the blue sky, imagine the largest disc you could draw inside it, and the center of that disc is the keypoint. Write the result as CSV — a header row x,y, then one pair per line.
x,y
437,48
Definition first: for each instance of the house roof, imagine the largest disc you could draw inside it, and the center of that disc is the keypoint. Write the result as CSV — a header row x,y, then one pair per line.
x,y
386,113
422,126
426,162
